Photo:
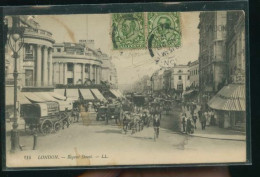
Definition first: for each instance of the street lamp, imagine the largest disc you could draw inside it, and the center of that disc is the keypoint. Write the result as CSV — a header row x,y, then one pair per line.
x,y
15,42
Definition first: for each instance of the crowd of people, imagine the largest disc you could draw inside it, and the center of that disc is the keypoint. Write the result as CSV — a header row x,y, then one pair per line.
x,y
192,114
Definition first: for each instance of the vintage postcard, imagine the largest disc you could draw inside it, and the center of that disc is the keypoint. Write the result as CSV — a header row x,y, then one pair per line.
x,y
135,88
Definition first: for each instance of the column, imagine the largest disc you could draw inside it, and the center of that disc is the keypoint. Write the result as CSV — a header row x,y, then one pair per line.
x,y
83,73
39,67
50,67
74,73
60,73
45,65
65,74
97,74
90,72
94,74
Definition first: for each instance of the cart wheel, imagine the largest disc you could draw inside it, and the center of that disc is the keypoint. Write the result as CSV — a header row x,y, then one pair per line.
x,y
46,127
57,126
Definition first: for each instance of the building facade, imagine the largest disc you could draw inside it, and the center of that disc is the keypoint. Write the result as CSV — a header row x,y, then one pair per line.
x,y
75,64
109,72
194,74
212,53
35,57
236,47
174,79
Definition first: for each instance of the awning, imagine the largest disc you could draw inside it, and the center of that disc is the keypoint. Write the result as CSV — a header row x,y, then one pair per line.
x,y
60,91
114,93
119,93
9,97
32,97
73,94
57,96
46,96
97,93
229,98
86,94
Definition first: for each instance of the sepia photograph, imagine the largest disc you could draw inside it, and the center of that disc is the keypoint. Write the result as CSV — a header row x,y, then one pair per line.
x,y
117,89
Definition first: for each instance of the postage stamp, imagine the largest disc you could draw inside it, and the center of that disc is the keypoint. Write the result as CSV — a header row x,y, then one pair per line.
x,y
164,28
128,31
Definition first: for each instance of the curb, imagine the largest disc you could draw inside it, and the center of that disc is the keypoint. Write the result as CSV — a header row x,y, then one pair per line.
x,y
215,138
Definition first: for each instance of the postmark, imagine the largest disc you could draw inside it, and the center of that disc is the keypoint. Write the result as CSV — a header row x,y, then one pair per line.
x,y
164,29
128,31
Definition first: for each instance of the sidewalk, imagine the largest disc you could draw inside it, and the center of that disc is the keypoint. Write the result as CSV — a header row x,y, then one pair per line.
x,y
214,132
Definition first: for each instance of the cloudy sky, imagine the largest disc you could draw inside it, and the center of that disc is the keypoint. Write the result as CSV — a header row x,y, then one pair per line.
x,y
130,64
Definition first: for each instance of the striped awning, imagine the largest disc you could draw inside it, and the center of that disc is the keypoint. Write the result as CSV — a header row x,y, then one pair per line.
x,y
60,91
57,96
86,94
114,92
46,96
229,98
97,93
34,98
72,94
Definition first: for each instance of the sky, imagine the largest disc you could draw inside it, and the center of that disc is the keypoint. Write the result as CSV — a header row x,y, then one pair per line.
x,y
131,65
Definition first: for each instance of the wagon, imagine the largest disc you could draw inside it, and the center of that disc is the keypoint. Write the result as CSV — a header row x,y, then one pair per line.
x,y
44,117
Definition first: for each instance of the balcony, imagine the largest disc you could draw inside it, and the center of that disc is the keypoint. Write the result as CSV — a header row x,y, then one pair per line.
x,y
32,32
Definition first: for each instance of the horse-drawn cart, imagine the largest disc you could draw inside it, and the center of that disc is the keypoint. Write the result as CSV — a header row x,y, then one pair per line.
x,y
44,117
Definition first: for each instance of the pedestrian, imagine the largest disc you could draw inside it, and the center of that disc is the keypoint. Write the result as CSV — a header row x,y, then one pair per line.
x,y
188,126
184,122
207,115
194,118
203,120
212,118
77,114
156,124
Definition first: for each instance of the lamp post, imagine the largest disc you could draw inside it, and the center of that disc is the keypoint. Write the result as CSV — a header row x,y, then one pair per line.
x,y
15,42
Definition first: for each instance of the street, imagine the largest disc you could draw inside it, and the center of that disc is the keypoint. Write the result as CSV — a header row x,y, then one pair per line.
x,y
100,144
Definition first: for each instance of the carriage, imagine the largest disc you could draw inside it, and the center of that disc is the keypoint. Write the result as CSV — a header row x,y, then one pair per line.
x,y
113,112
101,113
44,117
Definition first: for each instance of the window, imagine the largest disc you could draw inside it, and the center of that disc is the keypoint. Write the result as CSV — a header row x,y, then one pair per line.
x,y
110,77
28,77
179,77
59,50
28,52
70,67
188,77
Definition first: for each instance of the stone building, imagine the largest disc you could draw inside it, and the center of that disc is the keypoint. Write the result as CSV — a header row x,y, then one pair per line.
x,y
212,53
109,72
75,63
35,62
229,102
236,46
194,74
172,80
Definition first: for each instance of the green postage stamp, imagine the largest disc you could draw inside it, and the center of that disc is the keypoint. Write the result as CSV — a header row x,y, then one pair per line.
x,y
129,30
164,29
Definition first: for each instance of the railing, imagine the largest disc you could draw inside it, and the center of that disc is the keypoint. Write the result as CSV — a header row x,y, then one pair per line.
x,y
36,84
38,31
90,86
